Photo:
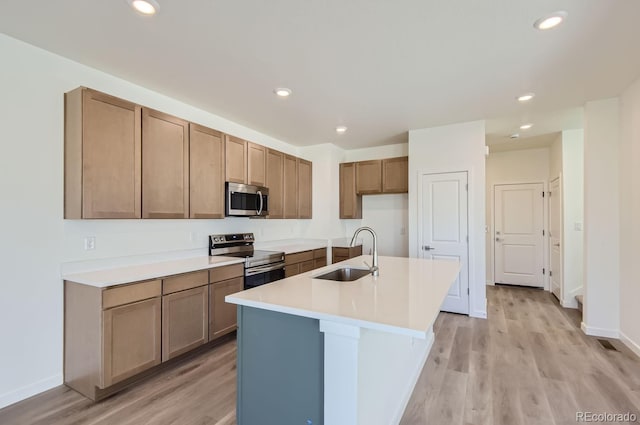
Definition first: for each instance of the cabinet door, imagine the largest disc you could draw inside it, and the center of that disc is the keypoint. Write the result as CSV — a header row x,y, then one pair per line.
x,y
291,269
256,164
304,189
350,202
102,156
185,323
236,160
395,175
131,340
206,172
223,316
305,266
369,177
165,166
275,182
290,209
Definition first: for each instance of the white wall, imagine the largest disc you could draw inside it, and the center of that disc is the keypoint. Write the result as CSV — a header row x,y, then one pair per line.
x,y
573,215
555,158
455,147
601,314
36,240
629,213
386,214
519,166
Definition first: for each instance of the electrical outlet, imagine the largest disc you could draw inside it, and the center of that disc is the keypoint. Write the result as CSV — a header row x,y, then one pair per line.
x,y
89,243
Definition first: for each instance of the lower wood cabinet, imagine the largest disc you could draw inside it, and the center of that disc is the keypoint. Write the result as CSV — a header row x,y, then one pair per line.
x,y
304,261
130,340
344,253
185,321
223,316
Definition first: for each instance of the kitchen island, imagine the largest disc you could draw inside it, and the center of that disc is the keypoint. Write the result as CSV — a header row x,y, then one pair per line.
x,y
313,351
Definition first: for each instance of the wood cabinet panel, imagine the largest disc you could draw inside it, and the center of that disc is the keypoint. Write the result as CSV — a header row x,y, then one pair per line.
x,y
218,274
319,262
256,164
395,175
102,156
290,209
206,172
305,183
165,166
306,266
131,336
235,160
298,257
185,321
344,253
350,202
369,177
223,316
184,281
291,270
127,294
275,183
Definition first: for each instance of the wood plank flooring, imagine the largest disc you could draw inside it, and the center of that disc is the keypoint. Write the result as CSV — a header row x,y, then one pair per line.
x,y
529,363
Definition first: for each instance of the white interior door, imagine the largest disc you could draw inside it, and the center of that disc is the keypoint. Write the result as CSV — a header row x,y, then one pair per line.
x,y
519,220
555,237
443,230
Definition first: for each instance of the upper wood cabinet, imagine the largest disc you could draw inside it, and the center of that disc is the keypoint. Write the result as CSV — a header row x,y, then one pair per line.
x,y
305,172
236,160
275,182
369,177
206,172
102,170
256,164
290,209
350,202
165,165
395,175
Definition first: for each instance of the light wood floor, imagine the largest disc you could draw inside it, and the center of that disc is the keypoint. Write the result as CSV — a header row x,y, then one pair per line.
x,y
529,363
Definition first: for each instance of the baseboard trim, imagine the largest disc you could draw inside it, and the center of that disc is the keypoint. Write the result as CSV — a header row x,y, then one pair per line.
x,y
30,390
572,303
478,314
632,345
414,381
490,283
593,331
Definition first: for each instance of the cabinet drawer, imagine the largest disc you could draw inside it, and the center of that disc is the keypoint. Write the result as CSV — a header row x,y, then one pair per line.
x,y
298,257
319,262
291,270
184,281
305,266
338,258
218,274
131,293
320,253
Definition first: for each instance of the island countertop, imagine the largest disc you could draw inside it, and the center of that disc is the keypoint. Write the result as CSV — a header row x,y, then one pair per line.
x,y
405,299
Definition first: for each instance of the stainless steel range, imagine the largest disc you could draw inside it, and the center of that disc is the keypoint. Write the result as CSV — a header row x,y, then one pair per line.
x,y
260,267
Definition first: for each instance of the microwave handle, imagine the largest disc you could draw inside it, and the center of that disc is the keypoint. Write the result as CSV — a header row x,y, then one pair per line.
x,y
261,202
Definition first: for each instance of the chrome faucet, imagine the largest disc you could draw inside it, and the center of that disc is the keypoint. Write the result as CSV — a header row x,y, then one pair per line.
x,y
374,267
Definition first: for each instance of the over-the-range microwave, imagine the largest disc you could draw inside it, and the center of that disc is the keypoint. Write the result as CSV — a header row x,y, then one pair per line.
x,y
243,200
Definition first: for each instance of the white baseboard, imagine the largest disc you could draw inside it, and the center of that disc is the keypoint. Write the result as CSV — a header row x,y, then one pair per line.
x,y
414,380
571,303
593,331
478,314
633,346
490,283
570,299
29,390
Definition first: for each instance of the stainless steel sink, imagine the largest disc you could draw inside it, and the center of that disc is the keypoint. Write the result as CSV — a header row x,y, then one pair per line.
x,y
344,274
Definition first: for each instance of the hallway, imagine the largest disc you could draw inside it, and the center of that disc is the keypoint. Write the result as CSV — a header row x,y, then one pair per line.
x,y
529,363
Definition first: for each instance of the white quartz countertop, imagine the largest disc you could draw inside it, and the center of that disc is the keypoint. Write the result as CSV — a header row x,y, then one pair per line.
x,y
135,273
405,298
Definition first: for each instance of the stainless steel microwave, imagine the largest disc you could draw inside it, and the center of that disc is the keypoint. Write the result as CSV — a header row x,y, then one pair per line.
x,y
243,200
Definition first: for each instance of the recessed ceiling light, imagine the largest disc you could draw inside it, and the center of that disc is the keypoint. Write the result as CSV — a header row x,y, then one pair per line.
x,y
526,97
145,7
526,126
282,92
550,21
514,136
341,129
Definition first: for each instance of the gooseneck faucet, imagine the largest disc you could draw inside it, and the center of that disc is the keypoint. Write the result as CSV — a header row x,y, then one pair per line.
x,y
374,267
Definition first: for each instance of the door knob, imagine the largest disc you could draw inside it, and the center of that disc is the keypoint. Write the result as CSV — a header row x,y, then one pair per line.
x,y
427,248
556,244
498,240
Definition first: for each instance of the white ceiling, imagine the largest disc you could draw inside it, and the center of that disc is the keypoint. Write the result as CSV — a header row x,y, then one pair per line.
x,y
380,67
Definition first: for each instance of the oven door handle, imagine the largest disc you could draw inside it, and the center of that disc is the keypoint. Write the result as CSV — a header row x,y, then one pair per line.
x,y
261,202
261,269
